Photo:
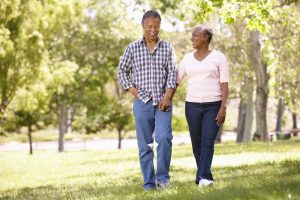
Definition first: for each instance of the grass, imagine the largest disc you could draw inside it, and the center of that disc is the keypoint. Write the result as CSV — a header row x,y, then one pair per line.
x,y
52,135
252,171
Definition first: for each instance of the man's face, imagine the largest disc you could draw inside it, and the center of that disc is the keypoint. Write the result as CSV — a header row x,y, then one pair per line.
x,y
151,28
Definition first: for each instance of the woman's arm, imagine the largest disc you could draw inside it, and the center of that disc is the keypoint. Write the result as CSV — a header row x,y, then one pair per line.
x,y
222,112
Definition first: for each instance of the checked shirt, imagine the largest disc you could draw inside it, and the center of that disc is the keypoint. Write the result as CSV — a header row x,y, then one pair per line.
x,y
151,73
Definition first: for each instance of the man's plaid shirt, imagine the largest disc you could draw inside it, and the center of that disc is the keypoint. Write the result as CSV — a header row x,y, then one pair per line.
x,y
150,73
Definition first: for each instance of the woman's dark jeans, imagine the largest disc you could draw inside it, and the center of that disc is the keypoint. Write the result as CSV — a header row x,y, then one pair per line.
x,y
201,119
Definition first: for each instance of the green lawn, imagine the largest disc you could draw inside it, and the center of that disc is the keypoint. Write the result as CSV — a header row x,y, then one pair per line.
x,y
52,135
252,171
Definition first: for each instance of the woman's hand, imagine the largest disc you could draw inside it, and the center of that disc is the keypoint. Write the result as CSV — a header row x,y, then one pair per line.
x,y
222,112
221,116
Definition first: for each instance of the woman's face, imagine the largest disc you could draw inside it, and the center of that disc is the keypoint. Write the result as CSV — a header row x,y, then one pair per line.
x,y
198,38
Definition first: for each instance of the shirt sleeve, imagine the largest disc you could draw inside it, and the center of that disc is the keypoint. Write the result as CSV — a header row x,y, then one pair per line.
x,y
223,69
181,72
172,70
124,69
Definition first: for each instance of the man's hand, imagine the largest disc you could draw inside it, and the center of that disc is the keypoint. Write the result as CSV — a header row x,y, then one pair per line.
x,y
134,92
164,104
221,116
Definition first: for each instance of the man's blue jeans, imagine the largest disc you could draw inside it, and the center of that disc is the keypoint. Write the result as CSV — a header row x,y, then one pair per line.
x,y
149,118
201,118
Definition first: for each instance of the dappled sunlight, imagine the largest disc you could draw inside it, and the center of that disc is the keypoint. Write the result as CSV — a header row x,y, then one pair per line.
x,y
252,158
238,159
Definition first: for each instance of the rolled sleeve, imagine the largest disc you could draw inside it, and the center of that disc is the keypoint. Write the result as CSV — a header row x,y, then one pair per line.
x,y
172,70
181,72
124,70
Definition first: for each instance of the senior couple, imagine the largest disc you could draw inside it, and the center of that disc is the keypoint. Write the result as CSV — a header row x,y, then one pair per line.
x,y
147,70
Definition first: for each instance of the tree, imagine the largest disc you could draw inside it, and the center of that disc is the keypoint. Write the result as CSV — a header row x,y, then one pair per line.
x,y
87,38
21,47
108,34
256,15
30,104
233,40
120,119
285,44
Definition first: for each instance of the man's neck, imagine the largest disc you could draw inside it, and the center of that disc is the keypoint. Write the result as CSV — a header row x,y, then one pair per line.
x,y
151,43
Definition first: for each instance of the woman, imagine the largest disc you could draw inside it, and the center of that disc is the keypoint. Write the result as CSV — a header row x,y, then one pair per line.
x,y
206,98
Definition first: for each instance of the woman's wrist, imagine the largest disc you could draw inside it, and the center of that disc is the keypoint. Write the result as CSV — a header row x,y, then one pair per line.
x,y
223,107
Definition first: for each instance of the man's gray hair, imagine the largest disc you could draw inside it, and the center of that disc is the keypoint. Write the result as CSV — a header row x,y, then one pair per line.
x,y
151,13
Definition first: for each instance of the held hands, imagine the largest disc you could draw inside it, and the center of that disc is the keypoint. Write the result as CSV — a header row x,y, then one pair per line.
x,y
164,104
134,92
221,116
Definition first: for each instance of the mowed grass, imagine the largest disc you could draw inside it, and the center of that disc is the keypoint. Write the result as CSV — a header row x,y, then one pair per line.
x,y
252,171
52,135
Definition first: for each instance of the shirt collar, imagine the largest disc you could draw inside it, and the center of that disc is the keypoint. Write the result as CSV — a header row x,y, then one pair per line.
x,y
142,40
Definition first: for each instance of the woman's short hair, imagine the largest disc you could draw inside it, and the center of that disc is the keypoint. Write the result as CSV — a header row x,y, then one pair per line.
x,y
206,31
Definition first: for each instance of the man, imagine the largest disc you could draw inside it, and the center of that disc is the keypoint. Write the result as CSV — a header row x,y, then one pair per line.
x,y
147,70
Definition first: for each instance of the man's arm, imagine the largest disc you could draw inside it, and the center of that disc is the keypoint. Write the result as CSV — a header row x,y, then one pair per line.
x,y
124,69
171,70
166,101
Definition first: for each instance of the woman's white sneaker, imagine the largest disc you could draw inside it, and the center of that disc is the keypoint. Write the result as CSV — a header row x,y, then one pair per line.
x,y
204,183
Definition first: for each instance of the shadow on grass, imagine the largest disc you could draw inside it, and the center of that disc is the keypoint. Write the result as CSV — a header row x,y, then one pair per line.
x,y
234,148
268,180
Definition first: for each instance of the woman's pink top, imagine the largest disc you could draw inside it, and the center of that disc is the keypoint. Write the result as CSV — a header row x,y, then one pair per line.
x,y
204,77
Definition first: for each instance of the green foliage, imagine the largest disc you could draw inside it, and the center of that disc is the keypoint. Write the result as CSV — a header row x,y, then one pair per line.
x,y
68,52
179,123
256,13
120,116
21,47
284,41
204,9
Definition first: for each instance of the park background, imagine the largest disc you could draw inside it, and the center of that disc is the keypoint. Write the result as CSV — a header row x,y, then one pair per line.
x,y
58,62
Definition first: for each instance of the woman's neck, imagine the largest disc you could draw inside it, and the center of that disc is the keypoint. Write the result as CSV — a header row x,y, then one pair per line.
x,y
202,50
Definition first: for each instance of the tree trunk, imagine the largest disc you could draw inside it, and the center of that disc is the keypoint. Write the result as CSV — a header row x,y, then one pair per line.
x,y
294,115
219,136
262,87
280,110
62,118
241,121
119,138
1,124
249,111
69,119
30,138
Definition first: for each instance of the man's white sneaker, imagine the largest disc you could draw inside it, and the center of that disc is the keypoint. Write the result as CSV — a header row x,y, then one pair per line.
x,y
163,185
204,183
